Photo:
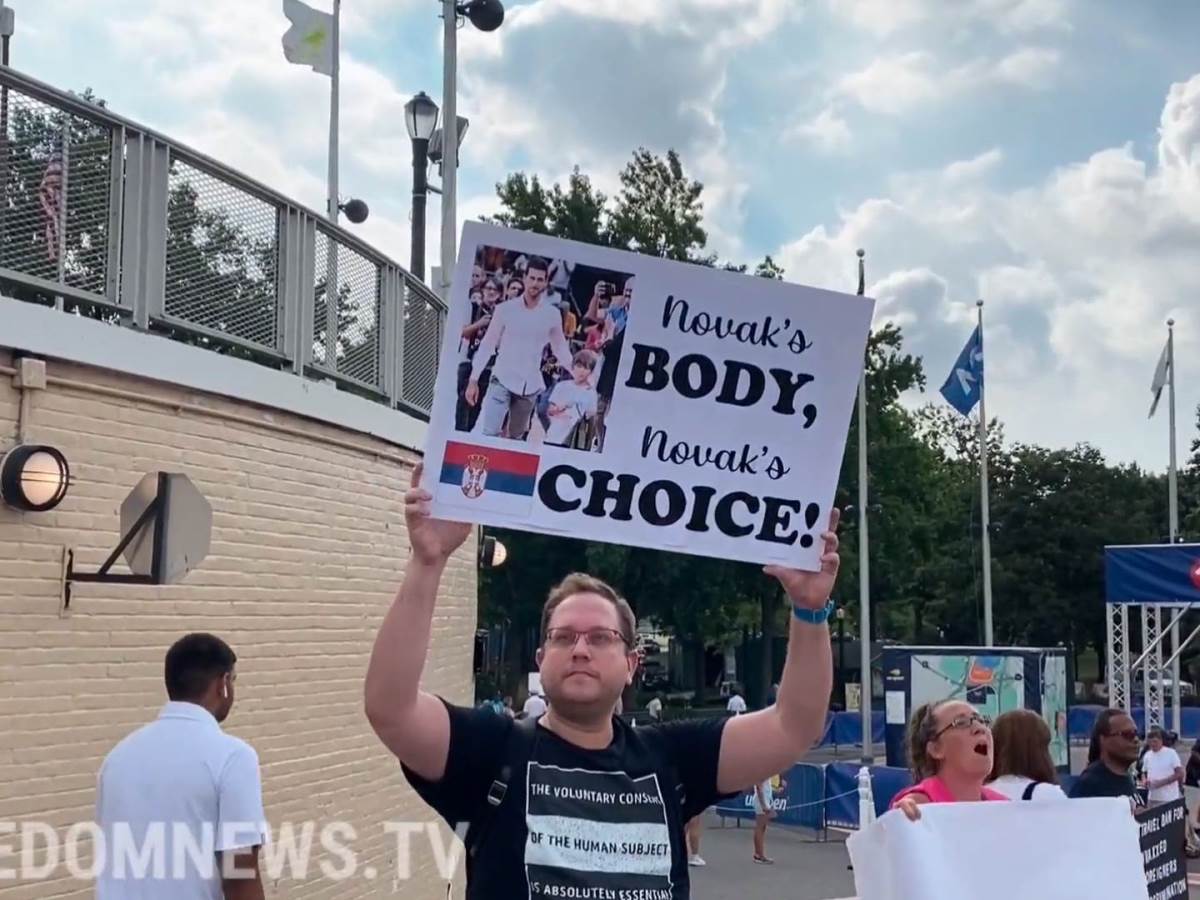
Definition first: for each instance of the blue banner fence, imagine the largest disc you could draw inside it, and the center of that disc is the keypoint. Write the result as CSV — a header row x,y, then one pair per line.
x,y
845,728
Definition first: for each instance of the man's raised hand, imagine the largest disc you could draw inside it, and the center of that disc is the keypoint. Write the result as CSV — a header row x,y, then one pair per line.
x,y
433,540
812,589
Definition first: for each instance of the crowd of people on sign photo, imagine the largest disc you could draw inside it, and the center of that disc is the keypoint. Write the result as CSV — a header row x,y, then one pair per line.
x,y
538,356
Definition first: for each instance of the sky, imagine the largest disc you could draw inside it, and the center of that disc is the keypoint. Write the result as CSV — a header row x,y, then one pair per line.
x,y
1040,155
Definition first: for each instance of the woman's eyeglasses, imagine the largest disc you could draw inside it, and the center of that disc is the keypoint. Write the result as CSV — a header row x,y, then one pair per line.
x,y
964,721
596,638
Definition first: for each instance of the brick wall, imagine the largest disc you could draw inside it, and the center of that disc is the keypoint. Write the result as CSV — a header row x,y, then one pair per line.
x,y
308,547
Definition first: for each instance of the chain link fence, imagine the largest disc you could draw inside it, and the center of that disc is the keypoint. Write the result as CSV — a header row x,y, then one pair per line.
x,y
357,344
222,246
423,325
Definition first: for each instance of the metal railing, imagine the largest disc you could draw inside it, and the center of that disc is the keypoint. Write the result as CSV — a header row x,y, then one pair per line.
x,y
105,218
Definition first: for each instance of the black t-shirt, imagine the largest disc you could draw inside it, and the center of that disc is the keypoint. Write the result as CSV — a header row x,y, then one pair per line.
x,y
1098,780
607,379
574,823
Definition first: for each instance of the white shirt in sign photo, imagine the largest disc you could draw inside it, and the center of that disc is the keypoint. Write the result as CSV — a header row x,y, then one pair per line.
x,y
720,417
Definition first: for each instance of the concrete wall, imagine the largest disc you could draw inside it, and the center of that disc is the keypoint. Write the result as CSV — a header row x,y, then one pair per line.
x,y
308,547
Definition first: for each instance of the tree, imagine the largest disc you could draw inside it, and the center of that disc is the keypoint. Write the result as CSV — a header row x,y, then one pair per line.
x,y
658,211
579,213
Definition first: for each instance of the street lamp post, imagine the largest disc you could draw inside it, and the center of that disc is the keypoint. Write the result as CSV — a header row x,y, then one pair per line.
x,y
486,15
420,116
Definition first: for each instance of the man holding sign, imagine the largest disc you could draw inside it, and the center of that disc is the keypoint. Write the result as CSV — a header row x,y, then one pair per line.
x,y
576,803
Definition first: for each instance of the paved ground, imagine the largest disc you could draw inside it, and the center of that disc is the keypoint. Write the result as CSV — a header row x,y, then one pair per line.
x,y
804,868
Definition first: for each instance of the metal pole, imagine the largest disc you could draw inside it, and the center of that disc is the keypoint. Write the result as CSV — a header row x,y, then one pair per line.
x,y
988,634
420,154
864,555
449,143
841,676
331,212
1173,521
332,203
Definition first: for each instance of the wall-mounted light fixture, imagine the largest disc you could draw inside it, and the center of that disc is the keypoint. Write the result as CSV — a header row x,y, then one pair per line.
x,y
492,553
34,477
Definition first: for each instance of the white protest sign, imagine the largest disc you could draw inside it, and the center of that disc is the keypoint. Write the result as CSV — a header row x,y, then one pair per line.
x,y
618,397
1071,850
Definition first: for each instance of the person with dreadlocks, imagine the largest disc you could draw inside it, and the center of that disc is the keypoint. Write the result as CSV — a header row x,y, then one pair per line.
x,y
1111,754
950,752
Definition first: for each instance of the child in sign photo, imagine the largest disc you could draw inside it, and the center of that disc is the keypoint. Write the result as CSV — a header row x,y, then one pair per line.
x,y
533,347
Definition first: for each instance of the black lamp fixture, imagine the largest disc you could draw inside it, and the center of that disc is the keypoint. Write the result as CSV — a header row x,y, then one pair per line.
x,y
34,477
486,15
421,116
356,210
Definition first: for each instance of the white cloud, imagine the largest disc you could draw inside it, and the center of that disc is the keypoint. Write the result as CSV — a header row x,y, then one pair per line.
x,y
651,74
1029,66
1079,273
895,85
885,17
827,131
891,85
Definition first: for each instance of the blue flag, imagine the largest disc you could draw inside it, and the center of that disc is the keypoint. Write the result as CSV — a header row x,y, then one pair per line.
x,y
965,384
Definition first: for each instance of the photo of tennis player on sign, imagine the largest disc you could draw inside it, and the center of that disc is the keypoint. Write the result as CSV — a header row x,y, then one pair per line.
x,y
538,357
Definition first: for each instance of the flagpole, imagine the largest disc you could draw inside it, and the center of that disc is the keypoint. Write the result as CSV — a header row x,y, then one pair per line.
x,y
332,207
988,634
864,556
1173,517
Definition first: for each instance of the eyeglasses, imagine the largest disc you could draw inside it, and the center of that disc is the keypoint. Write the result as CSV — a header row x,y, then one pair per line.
x,y
596,638
964,721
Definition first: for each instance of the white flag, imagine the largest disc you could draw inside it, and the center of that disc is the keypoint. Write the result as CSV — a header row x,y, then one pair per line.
x,y
309,42
1160,378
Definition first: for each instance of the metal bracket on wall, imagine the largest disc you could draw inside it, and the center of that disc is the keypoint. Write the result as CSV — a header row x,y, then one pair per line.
x,y
155,511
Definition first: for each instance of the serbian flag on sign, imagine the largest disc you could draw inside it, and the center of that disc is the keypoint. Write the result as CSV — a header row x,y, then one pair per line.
x,y
485,478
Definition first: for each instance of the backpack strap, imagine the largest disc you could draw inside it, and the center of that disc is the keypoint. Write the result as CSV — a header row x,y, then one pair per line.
x,y
1029,789
518,747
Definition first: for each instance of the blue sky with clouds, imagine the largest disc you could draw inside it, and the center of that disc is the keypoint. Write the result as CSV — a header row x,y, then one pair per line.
x,y
1042,154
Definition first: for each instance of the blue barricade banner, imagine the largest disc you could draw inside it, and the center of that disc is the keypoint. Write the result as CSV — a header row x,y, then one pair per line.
x,y
801,801
841,791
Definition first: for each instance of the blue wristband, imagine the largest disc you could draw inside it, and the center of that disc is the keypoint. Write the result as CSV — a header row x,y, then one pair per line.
x,y
814,616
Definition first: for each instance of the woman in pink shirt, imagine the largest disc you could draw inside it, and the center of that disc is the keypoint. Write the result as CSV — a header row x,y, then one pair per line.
x,y
950,746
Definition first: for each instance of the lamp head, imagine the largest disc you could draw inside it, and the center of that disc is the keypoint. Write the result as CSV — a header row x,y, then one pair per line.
x,y
486,15
420,117
34,478
356,210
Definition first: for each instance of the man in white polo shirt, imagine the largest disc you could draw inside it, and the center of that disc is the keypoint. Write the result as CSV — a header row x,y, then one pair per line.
x,y
178,801
518,335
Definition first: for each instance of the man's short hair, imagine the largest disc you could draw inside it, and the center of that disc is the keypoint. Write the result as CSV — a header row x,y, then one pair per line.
x,y
579,583
194,662
538,262
586,358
